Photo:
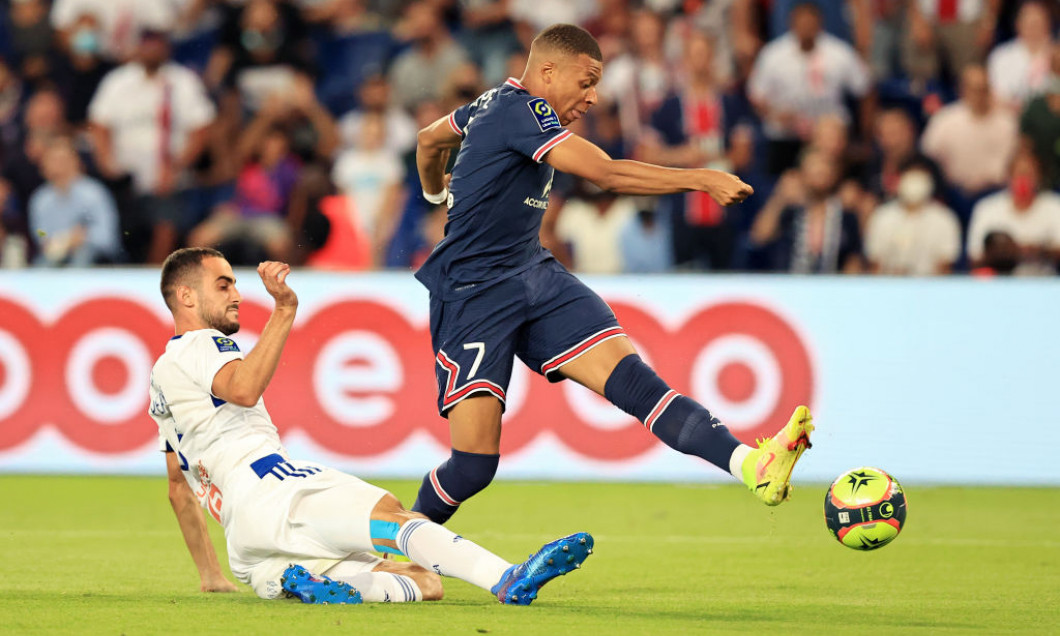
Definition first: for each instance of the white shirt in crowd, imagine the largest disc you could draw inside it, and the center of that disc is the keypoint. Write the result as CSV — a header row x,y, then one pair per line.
x,y
944,11
812,84
973,152
135,109
120,21
905,243
1039,225
1017,75
400,130
364,176
594,238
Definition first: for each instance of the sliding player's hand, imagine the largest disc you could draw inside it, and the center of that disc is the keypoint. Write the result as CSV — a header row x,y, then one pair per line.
x,y
274,276
217,584
728,189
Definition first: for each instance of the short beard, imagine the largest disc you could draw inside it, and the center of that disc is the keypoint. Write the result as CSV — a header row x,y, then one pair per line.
x,y
220,324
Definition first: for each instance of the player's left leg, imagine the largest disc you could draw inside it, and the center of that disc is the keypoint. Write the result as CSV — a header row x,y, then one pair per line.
x,y
574,334
614,370
430,545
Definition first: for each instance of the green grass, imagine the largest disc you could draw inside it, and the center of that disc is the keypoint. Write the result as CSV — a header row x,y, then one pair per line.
x,y
86,555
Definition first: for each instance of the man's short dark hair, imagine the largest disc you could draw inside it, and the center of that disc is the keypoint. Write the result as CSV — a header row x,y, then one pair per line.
x,y
570,39
179,265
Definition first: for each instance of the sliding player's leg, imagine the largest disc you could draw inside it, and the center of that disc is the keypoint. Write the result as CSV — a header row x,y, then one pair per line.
x,y
387,581
428,544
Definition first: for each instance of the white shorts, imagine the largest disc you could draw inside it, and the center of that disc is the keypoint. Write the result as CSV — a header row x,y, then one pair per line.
x,y
307,514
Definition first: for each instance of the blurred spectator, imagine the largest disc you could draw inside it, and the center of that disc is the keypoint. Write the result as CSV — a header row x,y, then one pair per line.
x,y
374,98
646,242
800,77
689,131
1024,211
1001,255
12,98
640,79
849,20
313,132
13,243
488,36
611,28
153,138
1019,68
958,30
82,67
463,85
120,22
72,218
254,221
532,16
42,119
896,137
914,235
1040,125
372,176
31,39
261,47
804,224
888,20
972,139
590,224
418,73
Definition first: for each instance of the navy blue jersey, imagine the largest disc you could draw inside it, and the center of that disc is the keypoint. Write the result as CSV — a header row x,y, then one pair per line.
x,y
498,192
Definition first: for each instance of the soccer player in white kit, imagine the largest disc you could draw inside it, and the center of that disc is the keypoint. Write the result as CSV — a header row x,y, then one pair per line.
x,y
293,528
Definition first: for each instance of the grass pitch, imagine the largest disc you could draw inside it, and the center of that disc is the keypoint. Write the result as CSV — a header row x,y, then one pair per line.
x,y
86,555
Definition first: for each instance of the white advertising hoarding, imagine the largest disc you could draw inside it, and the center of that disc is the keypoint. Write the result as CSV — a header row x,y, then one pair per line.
x,y
945,380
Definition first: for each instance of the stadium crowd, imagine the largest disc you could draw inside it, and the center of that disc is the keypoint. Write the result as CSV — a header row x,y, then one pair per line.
x,y
900,137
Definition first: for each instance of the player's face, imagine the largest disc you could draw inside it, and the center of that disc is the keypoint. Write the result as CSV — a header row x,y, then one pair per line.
x,y
219,299
574,88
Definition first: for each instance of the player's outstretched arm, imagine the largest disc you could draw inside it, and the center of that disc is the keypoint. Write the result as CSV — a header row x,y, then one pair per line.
x,y
580,157
243,381
433,144
193,527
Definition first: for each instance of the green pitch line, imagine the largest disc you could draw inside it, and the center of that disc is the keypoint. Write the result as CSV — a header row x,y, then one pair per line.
x,y
104,556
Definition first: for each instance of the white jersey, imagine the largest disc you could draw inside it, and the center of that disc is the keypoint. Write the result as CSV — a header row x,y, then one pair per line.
x,y
211,437
274,511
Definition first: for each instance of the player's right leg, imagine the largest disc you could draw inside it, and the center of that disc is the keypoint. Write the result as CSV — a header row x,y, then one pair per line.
x,y
428,544
474,343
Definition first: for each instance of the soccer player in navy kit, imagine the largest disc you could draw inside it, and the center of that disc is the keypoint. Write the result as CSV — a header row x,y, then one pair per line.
x,y
496,293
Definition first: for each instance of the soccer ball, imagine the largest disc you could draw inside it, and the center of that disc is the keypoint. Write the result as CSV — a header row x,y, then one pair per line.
x,y
865,508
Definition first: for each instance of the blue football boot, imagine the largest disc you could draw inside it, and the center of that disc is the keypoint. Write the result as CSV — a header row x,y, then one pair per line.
x,y
519,584
317,589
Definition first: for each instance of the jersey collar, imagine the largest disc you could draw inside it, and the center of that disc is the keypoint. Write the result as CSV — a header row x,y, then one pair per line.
x,y
514,83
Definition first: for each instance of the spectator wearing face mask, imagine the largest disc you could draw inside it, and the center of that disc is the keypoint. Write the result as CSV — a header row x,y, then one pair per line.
x,y
914,235
81,67
1023,210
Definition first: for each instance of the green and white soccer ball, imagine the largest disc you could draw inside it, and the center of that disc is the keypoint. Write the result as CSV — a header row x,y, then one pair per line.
x,y
865,508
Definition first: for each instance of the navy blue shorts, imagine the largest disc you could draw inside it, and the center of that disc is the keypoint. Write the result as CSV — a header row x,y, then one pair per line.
x,y
544,315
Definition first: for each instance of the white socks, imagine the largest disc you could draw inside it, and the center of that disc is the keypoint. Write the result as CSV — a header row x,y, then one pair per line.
x,y
383,587
736,460
448,554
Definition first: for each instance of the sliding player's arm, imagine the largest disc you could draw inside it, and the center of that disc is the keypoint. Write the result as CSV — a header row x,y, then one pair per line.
x,y
193,526
433,144
243,381
582,158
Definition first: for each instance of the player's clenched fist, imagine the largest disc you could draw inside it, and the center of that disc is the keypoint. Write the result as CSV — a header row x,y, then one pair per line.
x,y
274,275
727,189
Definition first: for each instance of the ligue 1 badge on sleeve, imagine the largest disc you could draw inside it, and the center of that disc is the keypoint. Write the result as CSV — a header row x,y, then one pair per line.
x,y
543,113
